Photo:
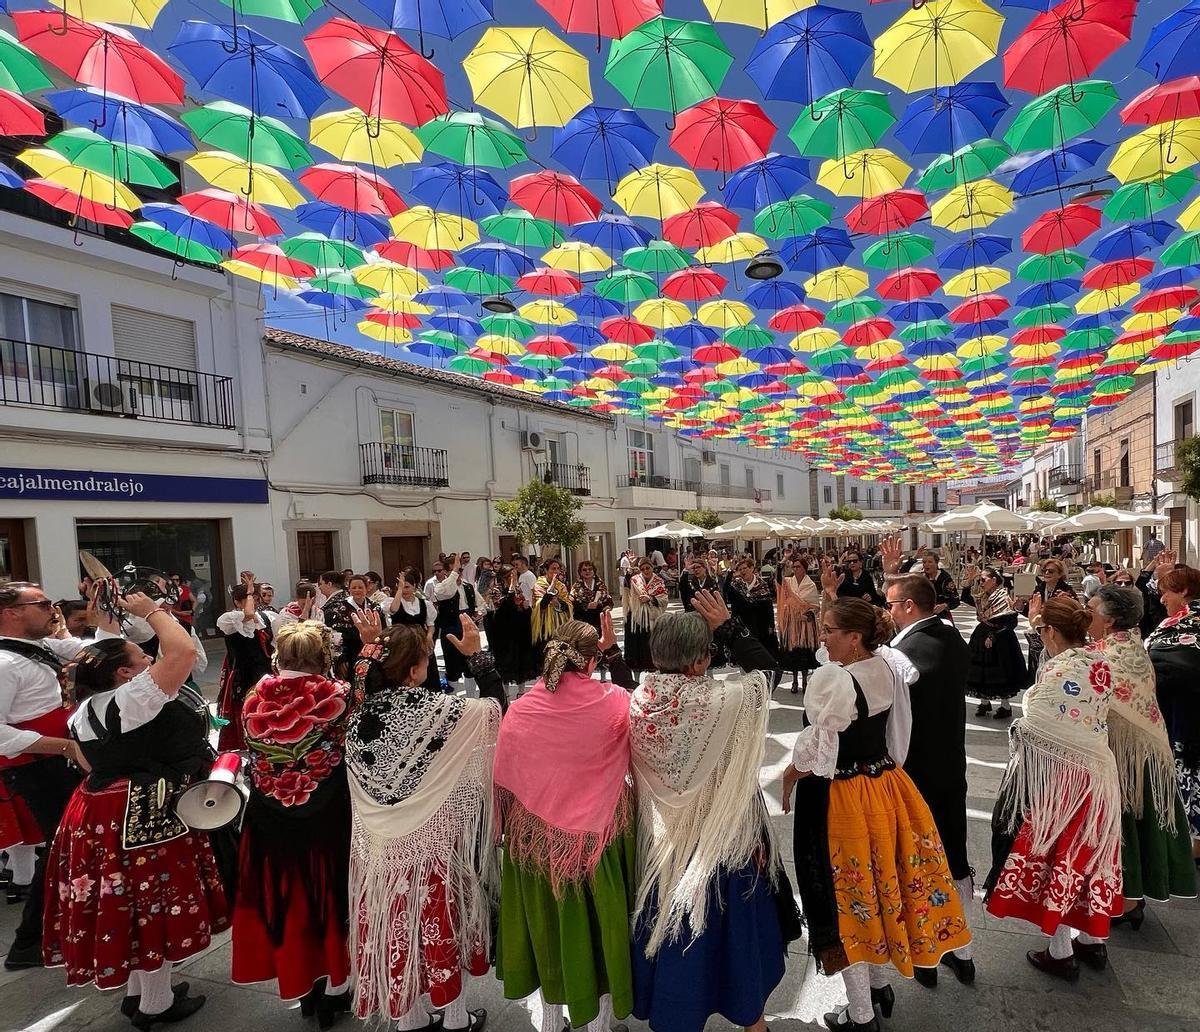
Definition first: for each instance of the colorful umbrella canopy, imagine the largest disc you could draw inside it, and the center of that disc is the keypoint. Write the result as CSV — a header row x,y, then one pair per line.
x,y
668,64
528,76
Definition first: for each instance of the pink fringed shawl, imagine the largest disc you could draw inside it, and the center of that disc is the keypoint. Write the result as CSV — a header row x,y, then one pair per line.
x,y
561,776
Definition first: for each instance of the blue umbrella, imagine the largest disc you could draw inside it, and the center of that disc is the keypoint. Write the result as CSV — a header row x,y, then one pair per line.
x,y
334,302
604,143
1097,320
766,181
1048,293
497,259
428,349
582,335
122,121
339,224
182,223
916,311
581,364
447,186
1183,276
9,178
612,232
980,328
590,305
1172,49
692,335
678,366
1044,170
809,54
444,18
825,248
931,348
460,325
247,67
951,117
1135,240
771,355
441,296
984,249
775,294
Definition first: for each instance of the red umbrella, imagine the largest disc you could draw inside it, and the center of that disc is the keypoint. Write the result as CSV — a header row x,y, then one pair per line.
x,y
1060,228
404,253
1164,102
613,372
792,367
722,134
1038,335
353,188
552,345
393,320
1066,43
502,376
612,18
270,258
18,117
706,224
1166,298
488,356
698,378
1118,273
868,331
715,353
795,319
552,282
624,329
909,284
976,309
104,56
887,212
79,206
555,196
231,212
882,365
377,72
695,284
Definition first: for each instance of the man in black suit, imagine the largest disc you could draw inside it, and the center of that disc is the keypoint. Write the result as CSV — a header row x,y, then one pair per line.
x,y
937,751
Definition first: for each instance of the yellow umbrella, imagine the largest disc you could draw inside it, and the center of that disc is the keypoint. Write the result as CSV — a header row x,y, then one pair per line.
x,y
547,311
980,280
434,230
528,76
390,278
381,332
837,284
1097,301
738,367
139,13
724,314
1041,352
1157,151
577,257
978,347
758,14
353,135
95,187
931,363
400,304
739,247
971,205
264,278
662,313
818,338
865,173
1189,218
886,348
259,184
658,191
1152,320
937,44
613,351
498,344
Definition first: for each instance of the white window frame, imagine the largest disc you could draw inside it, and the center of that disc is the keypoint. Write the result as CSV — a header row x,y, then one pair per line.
x,y
397,454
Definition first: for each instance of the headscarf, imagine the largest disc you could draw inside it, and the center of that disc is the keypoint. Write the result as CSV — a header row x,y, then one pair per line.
x,y
998,603
558,656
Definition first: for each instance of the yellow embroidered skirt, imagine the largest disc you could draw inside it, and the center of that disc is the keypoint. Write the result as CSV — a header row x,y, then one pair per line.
x,y
896,901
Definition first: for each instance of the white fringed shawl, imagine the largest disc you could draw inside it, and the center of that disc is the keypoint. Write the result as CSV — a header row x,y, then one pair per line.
x,y
697,748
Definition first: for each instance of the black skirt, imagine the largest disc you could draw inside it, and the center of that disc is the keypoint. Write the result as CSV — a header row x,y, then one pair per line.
x,y
998,671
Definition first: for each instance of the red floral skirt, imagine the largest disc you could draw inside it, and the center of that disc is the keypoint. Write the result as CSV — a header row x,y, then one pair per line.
x,y
109,910
1062,886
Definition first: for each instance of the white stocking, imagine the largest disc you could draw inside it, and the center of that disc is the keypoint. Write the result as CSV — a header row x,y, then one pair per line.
x,y
338,990
134,986
416,1017
21,861
602,1020
1089,940
858,992
966,896
878,975
156,990
1060,943
552,1017
454,1017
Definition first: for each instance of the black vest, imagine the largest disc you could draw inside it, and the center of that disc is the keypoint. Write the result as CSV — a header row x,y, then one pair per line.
x,y
862,747
448,609
421,618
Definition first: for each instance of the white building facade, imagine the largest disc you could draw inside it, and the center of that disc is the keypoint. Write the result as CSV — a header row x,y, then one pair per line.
x,y
1177,397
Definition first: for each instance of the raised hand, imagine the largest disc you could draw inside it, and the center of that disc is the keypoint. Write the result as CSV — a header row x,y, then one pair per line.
x,y
137,604
608,637
470,642
831,580
892,552
711,607
368,624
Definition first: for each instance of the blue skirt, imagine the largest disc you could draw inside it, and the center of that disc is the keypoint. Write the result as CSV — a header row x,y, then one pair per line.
x,y
730,970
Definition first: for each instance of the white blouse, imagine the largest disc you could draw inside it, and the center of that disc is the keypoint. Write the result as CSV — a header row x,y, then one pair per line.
x,y
139,700
829,704
413,608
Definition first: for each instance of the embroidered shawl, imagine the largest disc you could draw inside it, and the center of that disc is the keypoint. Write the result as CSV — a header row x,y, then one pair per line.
x,y
1180,630
644,615
1137,733
755,591
997,604
562,763
550,609
583,596
795,612
697,746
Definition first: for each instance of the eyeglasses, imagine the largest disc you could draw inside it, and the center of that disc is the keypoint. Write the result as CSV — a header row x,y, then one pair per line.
x,y
827,630
854,562
896,602
44,603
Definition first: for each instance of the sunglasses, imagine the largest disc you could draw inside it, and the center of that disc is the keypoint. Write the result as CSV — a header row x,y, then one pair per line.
x,y
897,602
44,604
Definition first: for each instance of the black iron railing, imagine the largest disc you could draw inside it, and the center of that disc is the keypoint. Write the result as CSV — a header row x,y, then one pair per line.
x,y
654,480
576,479
1064,476
47,377
403,465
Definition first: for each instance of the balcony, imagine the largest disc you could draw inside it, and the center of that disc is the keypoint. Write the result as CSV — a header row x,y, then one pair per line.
x,y
753,494
401,465
1109,483
651,491
1164,459
39,376
1070,477
576,479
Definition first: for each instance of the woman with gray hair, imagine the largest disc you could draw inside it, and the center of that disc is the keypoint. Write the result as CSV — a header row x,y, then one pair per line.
x,y
707,930
1156,849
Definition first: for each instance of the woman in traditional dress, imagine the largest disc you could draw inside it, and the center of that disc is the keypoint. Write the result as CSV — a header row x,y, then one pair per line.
x,y
707,935
131,891
870,864
1061,797
997,668
551,605
1051,582
290,920
248,638
567,814
752,600
589,596
1156,847
408,607
1174,649
647,602
423,869
507,627
797,611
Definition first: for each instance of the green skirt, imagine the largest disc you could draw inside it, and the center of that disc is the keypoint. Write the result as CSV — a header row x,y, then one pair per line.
x,y
1156,863
574,949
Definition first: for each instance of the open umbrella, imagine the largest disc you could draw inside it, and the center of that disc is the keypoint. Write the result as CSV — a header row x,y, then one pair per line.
x,y
668,64
528,76
865,173
177,247
353,135
120,120
942,121
82,199
1157,151
887,212
20,70
127,163
974,161
18,117
1060,228
231,211
139,13
263,185
1067,43
1164,102
1171,50
810,54
179,222
722,134
937,44
352,188
555,196
342,224
768,180
841,122
658,191
1059,114
445,18
473,139
972,206
257,138
604,143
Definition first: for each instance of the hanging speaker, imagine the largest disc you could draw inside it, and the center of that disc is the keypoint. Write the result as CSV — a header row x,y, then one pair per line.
x,y
219,801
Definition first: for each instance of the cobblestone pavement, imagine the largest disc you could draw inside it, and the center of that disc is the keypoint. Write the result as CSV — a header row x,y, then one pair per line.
x,y
1151,983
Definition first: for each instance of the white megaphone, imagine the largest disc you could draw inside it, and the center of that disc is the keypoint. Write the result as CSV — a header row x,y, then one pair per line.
x,y
212,804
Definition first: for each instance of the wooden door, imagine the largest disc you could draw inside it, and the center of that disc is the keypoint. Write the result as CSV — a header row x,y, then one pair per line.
x,y
314,550
508,546
401,552
1178,532
13,563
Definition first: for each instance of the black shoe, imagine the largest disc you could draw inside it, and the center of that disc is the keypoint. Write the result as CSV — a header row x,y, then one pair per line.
x,y
129,1005
1002,713
884,999
1093,954
1133,918
839,1021
15,893
477,1019
984,709
21,957
926,976
964,970
6,876
795,688
1066,969
183,1007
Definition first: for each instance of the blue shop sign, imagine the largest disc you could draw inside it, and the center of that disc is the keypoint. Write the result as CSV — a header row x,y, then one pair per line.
x,y
98,486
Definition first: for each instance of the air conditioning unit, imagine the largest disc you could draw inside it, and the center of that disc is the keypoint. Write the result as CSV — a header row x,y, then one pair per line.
x,y
532,440
709,458
114,397
657,481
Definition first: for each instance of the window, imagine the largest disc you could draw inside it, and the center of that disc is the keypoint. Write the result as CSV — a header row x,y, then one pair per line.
x,y
28,321
827,494
641,456
853,494
38,322
1185,424
396,433
1096,466
724,472
778,485
152,338
750,479
1124,469
934,496
314,552
554,450
887,496
691,470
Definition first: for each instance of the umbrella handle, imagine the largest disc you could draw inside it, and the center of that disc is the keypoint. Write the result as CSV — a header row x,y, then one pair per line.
x,y
65,26
670,126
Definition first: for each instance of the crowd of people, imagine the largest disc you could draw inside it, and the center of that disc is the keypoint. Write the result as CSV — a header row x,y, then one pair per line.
x,y
398,838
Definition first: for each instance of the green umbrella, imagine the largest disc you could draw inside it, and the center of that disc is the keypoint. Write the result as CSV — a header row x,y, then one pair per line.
x,y
539,362
517,227
927,329
508,324
658,257
794,217
468,365
974,161
1043,315
318,250
1115,385
657,351
1056,265
475,281
984,363
473,139
749,336
635,385
720,386
1142,200
257,138
626,286
124,161
176,246
898,250
20,70
831,356
641,367
443,339
841,123
295,11
1058,115
668,64
1088,340
342,284
1184,251
1033,374
854,310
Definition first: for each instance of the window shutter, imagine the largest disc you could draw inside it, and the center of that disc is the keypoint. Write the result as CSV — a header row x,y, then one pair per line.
x,y
159,339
